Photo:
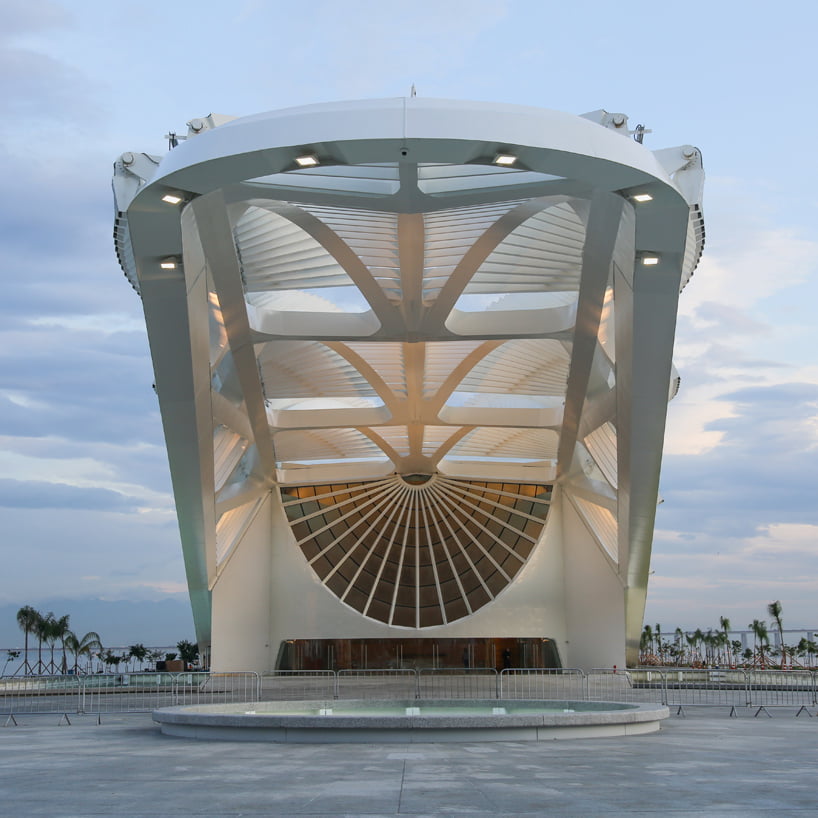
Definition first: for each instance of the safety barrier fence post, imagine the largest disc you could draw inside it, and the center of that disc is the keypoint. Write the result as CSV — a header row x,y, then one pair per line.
x,y
457,683
555,684
377,683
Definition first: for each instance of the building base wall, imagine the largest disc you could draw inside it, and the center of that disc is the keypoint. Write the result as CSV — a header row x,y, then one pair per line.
x,y
266,594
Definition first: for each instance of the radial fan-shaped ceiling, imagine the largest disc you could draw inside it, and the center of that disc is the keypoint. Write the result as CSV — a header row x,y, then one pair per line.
x,y
417,551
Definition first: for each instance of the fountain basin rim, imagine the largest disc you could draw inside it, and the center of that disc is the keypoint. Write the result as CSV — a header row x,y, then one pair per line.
x,y
602,718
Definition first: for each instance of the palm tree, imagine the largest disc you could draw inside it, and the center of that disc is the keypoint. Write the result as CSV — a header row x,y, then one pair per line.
x,y
59,630
82,647
42,629
188,651
679,636
760,637
690,638
774,610
138,652
698,638
725,629
27,620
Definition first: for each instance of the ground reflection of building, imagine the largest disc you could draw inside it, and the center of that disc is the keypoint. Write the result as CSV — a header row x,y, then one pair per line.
x,y
413,359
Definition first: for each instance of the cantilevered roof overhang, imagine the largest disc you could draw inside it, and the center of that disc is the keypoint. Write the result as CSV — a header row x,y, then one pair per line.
x,y
403,305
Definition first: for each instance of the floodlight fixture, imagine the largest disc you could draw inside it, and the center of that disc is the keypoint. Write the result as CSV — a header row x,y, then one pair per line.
x,y
168,264
642,197
505,160
650,261
171,198
308,160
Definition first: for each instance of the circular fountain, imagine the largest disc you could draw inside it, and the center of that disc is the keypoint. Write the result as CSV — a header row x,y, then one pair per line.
x,y
409,721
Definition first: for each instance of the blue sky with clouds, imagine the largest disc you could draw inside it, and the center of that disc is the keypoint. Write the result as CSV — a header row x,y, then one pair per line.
x,y
85,499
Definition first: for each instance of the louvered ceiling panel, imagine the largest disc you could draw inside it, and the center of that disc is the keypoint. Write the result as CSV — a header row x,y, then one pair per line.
x,y
448,235
231,526
524,367
601,444
386,358
228,448
396,436
543,253
308,369
694,243
602,524
373,235
441,360
324,444
276,254
434,437
500,442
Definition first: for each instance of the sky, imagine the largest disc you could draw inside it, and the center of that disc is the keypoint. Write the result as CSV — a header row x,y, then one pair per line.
x,y
86,511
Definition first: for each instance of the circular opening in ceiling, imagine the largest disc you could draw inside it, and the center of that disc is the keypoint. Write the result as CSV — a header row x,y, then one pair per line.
x,y
416,479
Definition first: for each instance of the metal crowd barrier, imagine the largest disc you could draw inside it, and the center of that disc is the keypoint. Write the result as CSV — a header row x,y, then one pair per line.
x,y
706,687
101,694
108,693
782,688
25,695
613,685
386,683
457,683
297,685
563,684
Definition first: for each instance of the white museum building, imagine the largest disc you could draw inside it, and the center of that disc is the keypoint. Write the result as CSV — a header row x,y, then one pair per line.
x,y
413,359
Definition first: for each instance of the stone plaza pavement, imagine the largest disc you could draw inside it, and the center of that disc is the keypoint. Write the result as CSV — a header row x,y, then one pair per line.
x,y
704,764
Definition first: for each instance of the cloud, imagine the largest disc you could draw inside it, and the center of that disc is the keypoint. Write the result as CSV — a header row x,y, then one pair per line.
x,y
39,494
23,17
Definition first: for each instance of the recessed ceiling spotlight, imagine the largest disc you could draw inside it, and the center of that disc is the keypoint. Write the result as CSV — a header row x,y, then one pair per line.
x,y
168,264
309,160
171,198
505,159
642,197
650,261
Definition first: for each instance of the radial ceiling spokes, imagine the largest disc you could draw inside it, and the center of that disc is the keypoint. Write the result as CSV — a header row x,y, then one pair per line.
x,y
417,551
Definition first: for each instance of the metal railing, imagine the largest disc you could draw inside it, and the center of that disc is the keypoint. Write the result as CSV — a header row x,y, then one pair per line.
x,y
558,684
100,694
388,683
297,685
457,683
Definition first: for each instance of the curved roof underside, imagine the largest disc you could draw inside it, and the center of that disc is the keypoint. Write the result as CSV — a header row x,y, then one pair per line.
x,y
408,307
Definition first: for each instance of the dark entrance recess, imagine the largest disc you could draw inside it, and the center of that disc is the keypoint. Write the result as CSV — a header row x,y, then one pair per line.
x,y
362,654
